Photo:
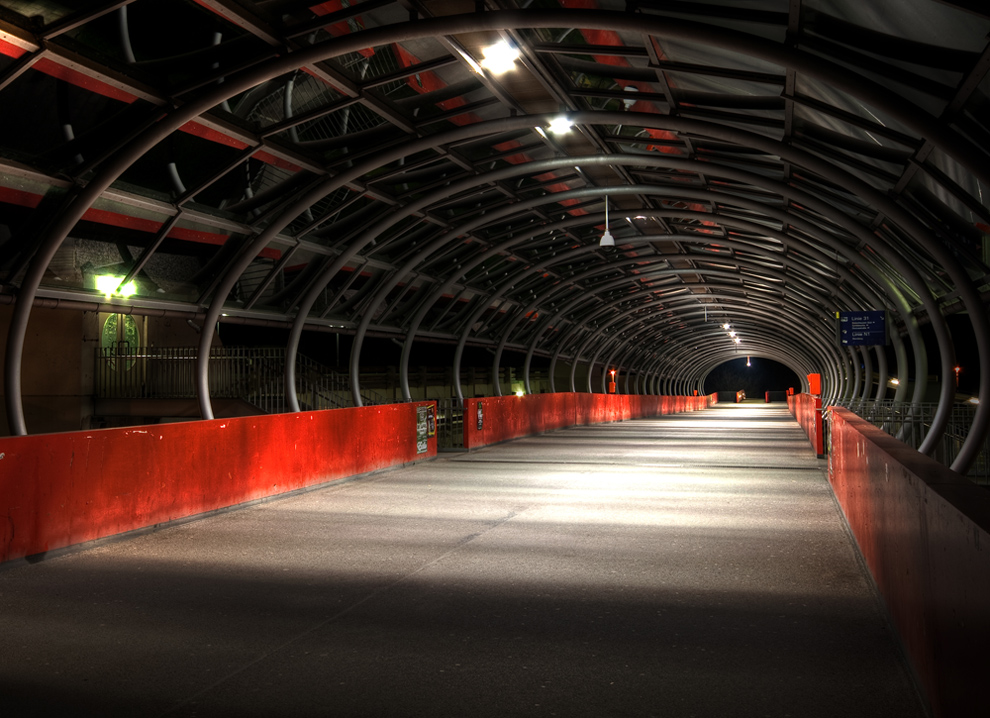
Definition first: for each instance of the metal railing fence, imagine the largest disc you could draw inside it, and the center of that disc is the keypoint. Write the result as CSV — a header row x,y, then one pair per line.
x,y
254,375
450,425
910,422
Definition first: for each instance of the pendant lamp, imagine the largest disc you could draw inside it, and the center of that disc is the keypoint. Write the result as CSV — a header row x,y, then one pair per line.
x,y
607,239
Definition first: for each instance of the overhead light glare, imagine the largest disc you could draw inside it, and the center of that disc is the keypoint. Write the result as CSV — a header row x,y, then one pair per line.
x,y
499,58
726,326
111,285
737,340
560,125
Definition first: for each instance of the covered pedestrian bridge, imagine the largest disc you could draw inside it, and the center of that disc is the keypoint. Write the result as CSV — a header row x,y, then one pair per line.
x,y
245,214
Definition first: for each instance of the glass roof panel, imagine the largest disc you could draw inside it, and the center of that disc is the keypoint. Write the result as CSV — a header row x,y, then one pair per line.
x,y
933,100
975,192
763,18
845,104
295,95
306,18
707,55
377,62
715,84
923,21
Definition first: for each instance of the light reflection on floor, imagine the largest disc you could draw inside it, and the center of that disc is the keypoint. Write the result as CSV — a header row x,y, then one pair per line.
x,y
595,571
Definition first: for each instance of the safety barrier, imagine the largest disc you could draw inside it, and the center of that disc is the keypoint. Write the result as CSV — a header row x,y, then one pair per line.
x,y
910,422
924,532
491,420
807,409
59,490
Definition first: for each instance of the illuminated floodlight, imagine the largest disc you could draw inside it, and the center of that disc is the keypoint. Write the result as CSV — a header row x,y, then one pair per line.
x,y
520,393
748,362
128,290
737,340
726,326
895,381
106,284
499,58
560,125
973,400
732,334
110,285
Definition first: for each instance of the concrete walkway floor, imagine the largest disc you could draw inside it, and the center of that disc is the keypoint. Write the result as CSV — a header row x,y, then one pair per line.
x,y
694,565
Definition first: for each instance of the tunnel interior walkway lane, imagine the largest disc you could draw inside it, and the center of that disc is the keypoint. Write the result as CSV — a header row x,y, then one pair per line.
x,y
693,565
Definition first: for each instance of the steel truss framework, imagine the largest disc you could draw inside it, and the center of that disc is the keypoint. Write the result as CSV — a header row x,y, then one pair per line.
x,y
351,166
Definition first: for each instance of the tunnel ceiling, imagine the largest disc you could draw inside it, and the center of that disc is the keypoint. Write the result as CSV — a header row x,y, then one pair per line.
x,y
762,163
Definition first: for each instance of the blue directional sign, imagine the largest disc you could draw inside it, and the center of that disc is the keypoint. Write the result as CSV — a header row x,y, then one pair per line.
x,y
863,328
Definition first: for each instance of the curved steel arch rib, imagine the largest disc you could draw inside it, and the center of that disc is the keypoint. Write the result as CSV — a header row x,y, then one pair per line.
x,y
643,189
845,231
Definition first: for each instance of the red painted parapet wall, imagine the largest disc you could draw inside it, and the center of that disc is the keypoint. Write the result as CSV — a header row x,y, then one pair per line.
x,y
58,490
807,409
924,532
510,417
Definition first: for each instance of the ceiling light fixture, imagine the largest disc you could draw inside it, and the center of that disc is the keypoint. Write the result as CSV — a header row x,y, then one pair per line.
x,y
607,239
112,285
500,58
560,125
